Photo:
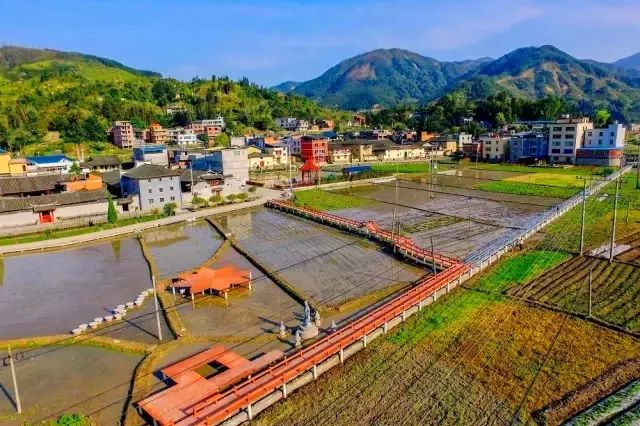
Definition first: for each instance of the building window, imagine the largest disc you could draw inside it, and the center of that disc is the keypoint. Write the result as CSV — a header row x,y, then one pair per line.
x,y
173,198
160,189
161,200
171,188
557,136
557,129
150,200
150,190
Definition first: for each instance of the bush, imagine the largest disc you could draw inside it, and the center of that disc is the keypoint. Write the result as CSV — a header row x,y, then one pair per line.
x,y
242,196
198,201
215,199
231,197
252,189
169,209
73,419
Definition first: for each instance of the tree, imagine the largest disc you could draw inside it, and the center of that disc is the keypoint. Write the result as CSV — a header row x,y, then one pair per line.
x,y
169,209
223,139
112,213
501,120
602,118
75,169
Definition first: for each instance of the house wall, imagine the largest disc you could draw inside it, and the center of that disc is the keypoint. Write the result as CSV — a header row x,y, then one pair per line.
x,y
565,137
155,193
16,219
5,157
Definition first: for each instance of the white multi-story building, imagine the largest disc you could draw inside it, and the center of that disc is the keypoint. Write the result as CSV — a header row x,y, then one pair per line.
x,y
218,121
185,137
603,147
462,139
611,137
494,148
566,137
287,123
302,125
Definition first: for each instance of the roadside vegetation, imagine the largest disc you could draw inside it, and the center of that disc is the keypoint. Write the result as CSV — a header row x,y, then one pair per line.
x,y
51,234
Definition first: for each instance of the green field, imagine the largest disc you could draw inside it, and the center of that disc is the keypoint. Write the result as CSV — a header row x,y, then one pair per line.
x,y
326,200
520,188
572,170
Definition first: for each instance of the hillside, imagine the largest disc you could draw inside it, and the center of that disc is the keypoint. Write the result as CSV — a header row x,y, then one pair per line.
x,y
382,76
630,62
391,76
44,93
536,72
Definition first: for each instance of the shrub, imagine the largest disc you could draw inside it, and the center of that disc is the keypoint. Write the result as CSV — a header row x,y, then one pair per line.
x,y
215,199
73,419
231,197
252,189
242,196
198,201
112,213
169,209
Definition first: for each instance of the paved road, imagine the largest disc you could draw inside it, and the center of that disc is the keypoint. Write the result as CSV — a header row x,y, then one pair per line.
x,y
263,194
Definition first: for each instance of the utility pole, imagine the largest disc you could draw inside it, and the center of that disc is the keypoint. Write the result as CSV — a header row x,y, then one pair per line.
x,y
628,208
155,299
615,218
15,382
433,259
290,181
638,171
584,208
590,287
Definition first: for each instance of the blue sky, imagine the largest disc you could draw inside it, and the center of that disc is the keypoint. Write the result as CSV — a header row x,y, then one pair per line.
x,y
273,41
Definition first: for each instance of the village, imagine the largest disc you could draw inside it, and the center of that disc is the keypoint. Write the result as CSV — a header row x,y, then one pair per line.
x,y
184,169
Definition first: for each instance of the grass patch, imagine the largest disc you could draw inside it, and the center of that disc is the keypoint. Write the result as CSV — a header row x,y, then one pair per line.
x,y
72,232
551,179
574,170
520,188
519,269
326,200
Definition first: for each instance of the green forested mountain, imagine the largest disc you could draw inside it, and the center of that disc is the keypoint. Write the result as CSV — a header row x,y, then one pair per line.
x,y
630,62
392,76
382,77
77,95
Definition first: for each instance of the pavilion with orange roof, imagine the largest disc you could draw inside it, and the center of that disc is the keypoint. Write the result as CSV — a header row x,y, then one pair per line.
x,y
220,280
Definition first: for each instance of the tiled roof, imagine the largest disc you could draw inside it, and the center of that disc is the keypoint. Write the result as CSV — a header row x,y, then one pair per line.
x,y
185,177
26,184
150,171
63,199
101,160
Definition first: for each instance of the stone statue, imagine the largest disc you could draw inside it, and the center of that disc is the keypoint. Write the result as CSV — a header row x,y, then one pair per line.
x,y
334,327
307,313
318,319
298,339
283,329
307,329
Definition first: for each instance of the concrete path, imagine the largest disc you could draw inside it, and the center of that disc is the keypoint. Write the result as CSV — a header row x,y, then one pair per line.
x,y
263,194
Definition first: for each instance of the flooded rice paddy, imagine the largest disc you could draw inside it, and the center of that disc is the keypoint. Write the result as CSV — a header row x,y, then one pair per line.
x,y
53,292
177,248
66,379
326,265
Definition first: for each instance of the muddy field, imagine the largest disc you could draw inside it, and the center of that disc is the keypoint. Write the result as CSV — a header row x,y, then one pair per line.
x,y
58,380
633,254
245,313
51,293
326,265
459,224
180,247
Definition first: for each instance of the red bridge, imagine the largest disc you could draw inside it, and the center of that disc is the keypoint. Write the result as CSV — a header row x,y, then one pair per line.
x,y
403,245
217,399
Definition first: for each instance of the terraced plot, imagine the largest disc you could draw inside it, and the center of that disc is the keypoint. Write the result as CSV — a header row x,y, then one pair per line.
x,y
615,290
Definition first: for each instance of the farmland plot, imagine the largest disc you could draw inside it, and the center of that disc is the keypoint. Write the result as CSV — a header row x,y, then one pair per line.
x,y
633,254
615,290
328,266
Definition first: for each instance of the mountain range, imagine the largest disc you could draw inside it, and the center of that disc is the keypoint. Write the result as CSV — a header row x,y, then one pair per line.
x,y
391,76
